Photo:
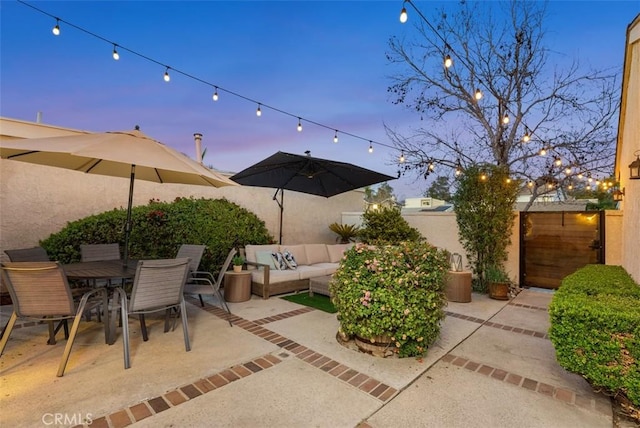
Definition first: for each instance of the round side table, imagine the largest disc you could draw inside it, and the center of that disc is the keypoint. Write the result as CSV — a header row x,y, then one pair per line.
x,y
237,286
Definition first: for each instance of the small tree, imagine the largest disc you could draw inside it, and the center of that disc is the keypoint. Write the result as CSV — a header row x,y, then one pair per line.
x,y
386,226
484,203
439,189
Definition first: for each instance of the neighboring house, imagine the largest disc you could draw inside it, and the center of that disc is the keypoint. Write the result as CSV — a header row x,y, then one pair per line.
x,y
628,148
551,202
412,205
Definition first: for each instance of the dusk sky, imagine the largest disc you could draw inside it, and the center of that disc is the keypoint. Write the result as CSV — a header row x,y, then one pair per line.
x,y
323,61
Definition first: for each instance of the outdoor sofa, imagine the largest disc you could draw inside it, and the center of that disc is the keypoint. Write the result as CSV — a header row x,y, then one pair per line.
x,y
269,276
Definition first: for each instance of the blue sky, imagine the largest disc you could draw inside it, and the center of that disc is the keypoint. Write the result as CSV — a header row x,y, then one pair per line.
x,y
323,61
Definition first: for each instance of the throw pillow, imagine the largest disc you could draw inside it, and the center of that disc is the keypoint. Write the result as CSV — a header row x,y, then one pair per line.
x,y
264,257
289,260
278,260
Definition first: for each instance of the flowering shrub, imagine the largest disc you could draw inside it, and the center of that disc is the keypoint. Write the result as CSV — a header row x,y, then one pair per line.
x,y
394,290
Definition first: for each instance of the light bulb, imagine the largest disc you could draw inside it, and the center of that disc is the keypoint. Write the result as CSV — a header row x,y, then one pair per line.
x,y
215,94
431,166
483,176
166,75
56,29
580,176
508,180
549,185
570,186
505,118
543,151
526,137
530,183
558,161
401,157
458,171
299,125
448,62
403,15
116,55
335,137
567,170
478,95
370,147
259,111
588,187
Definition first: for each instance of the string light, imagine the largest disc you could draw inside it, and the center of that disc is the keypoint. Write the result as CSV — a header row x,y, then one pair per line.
x,y
258,111
570,187
403,15
370,147
529,183
335,137
508,180
558,161
115,55
56,29
458,168
580,176
401,159
483,176
431,166
505,119
543,152
568,170
215,96
526,137
448,62
478,95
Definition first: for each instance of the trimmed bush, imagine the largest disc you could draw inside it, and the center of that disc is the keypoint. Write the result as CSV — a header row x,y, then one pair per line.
x,y
386,226
392,290
159,228
595,328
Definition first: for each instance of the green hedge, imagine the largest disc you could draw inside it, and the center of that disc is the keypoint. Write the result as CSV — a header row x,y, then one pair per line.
x,y
595,328
159,228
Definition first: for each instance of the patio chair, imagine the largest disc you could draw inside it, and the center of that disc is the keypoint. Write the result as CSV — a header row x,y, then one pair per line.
x,y
202,282
99,252
35,254
157,286
40,291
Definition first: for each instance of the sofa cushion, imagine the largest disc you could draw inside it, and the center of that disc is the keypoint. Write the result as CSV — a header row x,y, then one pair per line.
x,y
336,251
327,268
250,250
298,253
289,260
278,260
264,257
316,253
311,271
275,276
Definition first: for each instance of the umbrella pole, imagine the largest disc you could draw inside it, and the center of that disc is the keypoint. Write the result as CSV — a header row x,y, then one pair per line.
x,y
281,205
127,226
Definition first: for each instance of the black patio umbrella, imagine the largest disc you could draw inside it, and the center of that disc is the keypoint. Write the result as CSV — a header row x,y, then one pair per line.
x,y
306,174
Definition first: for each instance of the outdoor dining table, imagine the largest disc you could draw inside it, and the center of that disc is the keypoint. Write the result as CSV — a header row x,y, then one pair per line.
x,y
103,270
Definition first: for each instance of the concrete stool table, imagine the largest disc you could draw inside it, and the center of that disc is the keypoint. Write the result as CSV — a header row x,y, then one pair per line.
x,y
458,287
237,286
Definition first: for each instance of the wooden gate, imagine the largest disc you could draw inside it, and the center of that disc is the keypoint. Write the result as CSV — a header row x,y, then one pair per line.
x,y
556,244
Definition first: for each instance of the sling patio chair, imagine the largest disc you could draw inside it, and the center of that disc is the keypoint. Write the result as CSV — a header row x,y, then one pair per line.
x,y
40,291
35,254
157,286
204,283
99,252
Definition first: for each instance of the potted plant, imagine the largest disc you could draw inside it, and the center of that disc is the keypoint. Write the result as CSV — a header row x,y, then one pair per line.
x,y
391,295
346,232
498,282
237,262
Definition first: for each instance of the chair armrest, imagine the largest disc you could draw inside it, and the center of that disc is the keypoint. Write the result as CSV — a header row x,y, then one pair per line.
x,y
201,274
265,270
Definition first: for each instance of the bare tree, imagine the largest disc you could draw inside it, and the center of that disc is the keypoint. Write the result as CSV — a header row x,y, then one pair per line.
x,y
560,119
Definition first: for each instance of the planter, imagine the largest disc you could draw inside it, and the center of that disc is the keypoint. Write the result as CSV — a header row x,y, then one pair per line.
x,y
237,268
378,346
499,290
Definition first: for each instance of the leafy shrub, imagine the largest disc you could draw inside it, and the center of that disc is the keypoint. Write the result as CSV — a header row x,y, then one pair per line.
x,y
394,290
159,228
346,232
484,201
595,328
386,226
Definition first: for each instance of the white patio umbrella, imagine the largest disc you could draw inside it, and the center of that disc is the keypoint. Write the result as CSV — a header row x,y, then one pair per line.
x,y
128,154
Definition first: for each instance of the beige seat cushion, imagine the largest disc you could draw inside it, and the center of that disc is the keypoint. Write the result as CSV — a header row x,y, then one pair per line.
x,y
311,271
336,251
275,276
316,253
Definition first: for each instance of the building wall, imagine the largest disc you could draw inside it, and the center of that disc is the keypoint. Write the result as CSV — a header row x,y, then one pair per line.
x,y
628,145
37,200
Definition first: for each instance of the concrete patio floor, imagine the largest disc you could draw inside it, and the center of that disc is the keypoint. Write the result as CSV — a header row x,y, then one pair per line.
x,y
281,366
